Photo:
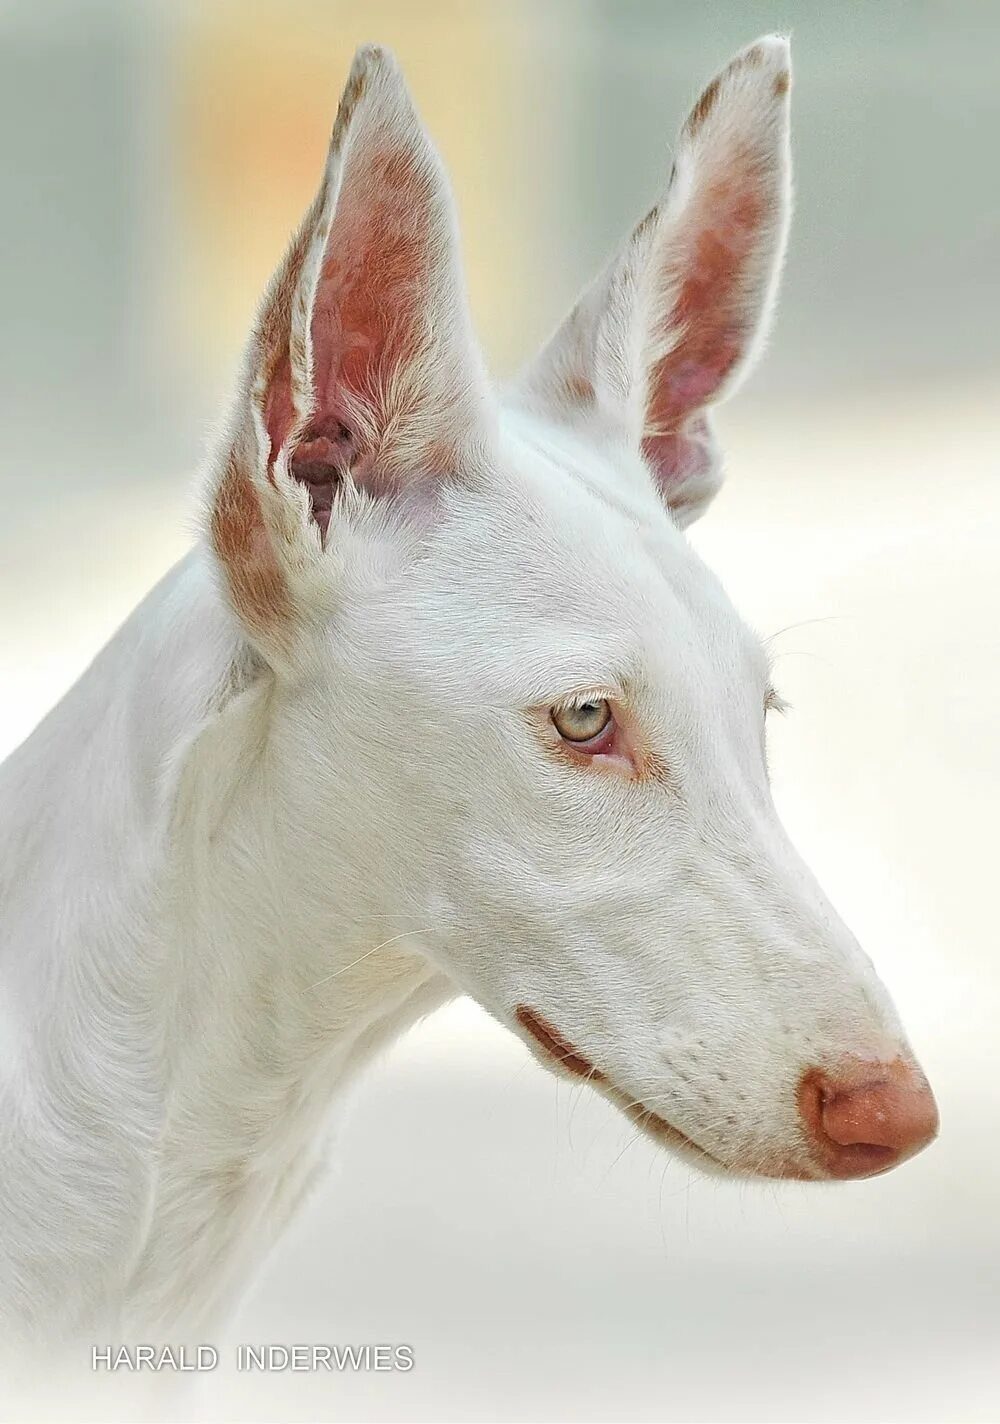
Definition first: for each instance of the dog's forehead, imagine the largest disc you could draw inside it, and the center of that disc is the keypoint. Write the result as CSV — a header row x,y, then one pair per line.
x,y
560,512
579,522
565,561
584,473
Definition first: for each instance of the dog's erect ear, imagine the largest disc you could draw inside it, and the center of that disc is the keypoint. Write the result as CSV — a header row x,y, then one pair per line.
x,y
362,370
678,317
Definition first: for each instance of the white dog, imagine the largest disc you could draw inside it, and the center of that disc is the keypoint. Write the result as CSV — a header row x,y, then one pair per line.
x,y
443,702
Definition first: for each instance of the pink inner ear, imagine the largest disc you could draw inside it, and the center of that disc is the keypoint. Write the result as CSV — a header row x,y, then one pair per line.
x,y
374,279
367,322
713,309
680,459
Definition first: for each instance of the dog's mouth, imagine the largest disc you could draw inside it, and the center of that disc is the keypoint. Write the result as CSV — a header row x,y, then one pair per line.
x,y
567,1056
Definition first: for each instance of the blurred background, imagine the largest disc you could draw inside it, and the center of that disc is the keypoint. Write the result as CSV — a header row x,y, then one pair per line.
x,y
542,1263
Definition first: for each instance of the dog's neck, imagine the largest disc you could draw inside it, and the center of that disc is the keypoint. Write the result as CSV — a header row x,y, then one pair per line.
x,y
184,974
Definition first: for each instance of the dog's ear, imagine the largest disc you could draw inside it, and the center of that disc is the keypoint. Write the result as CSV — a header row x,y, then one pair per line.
x,y
362,371
678,317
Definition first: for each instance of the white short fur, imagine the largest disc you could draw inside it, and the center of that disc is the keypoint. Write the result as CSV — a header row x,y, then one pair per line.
x,y
290,808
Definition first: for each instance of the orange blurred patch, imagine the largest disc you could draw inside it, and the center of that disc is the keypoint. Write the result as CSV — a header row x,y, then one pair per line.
x,y
256,93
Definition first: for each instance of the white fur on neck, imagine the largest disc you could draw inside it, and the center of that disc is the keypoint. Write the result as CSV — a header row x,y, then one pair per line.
x,y
171,1048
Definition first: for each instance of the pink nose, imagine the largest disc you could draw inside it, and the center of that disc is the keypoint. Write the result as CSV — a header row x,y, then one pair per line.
x,y
866,1117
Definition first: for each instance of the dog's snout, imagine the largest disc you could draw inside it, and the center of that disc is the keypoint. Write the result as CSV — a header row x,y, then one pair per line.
x,y
866,1117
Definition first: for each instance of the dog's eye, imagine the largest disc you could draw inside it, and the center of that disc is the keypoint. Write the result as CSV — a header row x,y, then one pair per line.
x,y
583,723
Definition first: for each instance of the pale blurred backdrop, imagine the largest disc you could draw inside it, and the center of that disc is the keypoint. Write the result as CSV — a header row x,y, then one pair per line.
x,y
542,1263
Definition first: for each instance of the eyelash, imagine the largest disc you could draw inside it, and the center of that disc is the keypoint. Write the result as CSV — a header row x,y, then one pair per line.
x,y
774,702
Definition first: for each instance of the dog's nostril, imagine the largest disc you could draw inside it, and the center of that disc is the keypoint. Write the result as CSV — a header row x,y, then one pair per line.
x,y
866,1117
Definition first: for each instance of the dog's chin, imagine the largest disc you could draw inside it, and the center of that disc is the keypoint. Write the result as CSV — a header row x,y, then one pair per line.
x,y
554,1051
665,1134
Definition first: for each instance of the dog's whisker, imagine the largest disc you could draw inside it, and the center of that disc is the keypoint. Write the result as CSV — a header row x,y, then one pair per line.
x,y
404,934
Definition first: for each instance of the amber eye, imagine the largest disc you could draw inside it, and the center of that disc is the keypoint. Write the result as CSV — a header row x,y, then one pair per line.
x,y
582,723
